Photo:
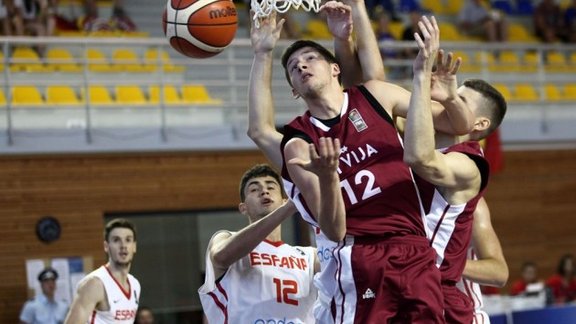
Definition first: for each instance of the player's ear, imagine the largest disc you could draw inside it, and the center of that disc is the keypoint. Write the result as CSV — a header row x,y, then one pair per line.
x,y
242,208
335,69
106,248
482,124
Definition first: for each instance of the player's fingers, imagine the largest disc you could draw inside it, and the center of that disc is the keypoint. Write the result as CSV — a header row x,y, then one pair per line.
x,y
419,41
457,65
449,62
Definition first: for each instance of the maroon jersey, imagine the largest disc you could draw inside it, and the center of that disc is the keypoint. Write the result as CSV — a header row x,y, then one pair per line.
x,y
378,188
449,227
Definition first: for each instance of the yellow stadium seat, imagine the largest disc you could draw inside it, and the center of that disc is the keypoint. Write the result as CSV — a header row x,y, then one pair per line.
x,y
525,92
518,33
552,92
151,61
130,94
437,7
97,61
468,66
569,92
2,60
127,60
62,60
531,62
453,7
449,32
556,62
503,89
198,94
26,95
396,29
171,95
25,59
317,29
2,98
61,95
508,61
99,95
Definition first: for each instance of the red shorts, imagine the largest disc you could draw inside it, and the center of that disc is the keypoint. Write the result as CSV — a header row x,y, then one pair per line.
x,y
458,307
393,279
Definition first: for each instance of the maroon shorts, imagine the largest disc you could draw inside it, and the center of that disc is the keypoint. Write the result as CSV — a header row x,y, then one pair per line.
x,y
388,280
458,307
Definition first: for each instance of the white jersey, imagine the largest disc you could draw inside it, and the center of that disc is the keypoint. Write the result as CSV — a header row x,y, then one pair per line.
x,y
272,284
123,304
472,290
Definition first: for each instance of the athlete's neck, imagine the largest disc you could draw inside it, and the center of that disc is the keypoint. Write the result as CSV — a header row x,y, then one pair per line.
x,y
326,107
119,272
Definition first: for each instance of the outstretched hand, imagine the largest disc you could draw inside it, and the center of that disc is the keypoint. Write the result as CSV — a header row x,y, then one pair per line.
x,y
324,161
265,36
444,81
338,18
429,46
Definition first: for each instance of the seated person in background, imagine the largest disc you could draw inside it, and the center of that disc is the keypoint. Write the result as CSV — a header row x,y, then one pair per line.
x,y
548,24
476,19
570,22
563,283
529,284
10,22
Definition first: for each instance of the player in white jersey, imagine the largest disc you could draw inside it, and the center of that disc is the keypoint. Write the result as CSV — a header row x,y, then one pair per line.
x,y
252,276
109,294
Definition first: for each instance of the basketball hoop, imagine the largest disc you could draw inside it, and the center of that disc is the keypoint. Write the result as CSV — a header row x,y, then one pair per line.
x,y
263,8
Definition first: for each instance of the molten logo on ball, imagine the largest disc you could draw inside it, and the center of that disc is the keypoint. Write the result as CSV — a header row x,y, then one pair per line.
x,y
200,28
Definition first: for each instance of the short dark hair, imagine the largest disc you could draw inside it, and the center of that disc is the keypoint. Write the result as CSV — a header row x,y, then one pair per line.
x,y
496,104
118,223
325,53
258,171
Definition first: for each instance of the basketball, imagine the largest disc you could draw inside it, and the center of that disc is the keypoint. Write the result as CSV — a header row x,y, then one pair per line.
x,y
200,28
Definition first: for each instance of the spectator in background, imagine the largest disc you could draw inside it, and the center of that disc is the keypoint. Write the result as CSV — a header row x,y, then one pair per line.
x,y
563,283
477,19
529,284
548,22
570,22
9,23
376,6
44,308
144,315
383,34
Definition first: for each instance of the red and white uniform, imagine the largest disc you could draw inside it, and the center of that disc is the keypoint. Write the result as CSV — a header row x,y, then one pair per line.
x,y
472,290
386,256
123,303
273,283
450,232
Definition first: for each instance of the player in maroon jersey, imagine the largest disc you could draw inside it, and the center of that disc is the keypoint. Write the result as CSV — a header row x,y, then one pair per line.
x,y
459,172
267,143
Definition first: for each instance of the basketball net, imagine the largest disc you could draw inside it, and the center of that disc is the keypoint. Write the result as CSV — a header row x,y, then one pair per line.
x,y
263,8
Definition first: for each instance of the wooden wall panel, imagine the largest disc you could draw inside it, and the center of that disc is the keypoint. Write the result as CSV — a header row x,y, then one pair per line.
x,y
79,190
532,201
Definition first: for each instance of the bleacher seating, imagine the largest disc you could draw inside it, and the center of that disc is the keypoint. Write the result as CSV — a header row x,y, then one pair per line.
x,y
61,95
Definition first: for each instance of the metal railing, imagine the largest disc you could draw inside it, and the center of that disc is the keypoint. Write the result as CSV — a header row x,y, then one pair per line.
x,y
226,77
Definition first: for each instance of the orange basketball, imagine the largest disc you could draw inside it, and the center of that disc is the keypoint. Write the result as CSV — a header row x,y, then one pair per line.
x,y
200,28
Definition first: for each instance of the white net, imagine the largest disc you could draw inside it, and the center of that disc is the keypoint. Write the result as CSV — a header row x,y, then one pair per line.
x,y
263,8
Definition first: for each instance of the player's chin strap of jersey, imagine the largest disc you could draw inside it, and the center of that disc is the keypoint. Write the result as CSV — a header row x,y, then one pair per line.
x,y
263,8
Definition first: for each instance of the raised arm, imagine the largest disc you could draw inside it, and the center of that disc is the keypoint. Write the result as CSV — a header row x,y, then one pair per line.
x,y
225,248
261,124
490,268
456,174
314,171
89,294
360,60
